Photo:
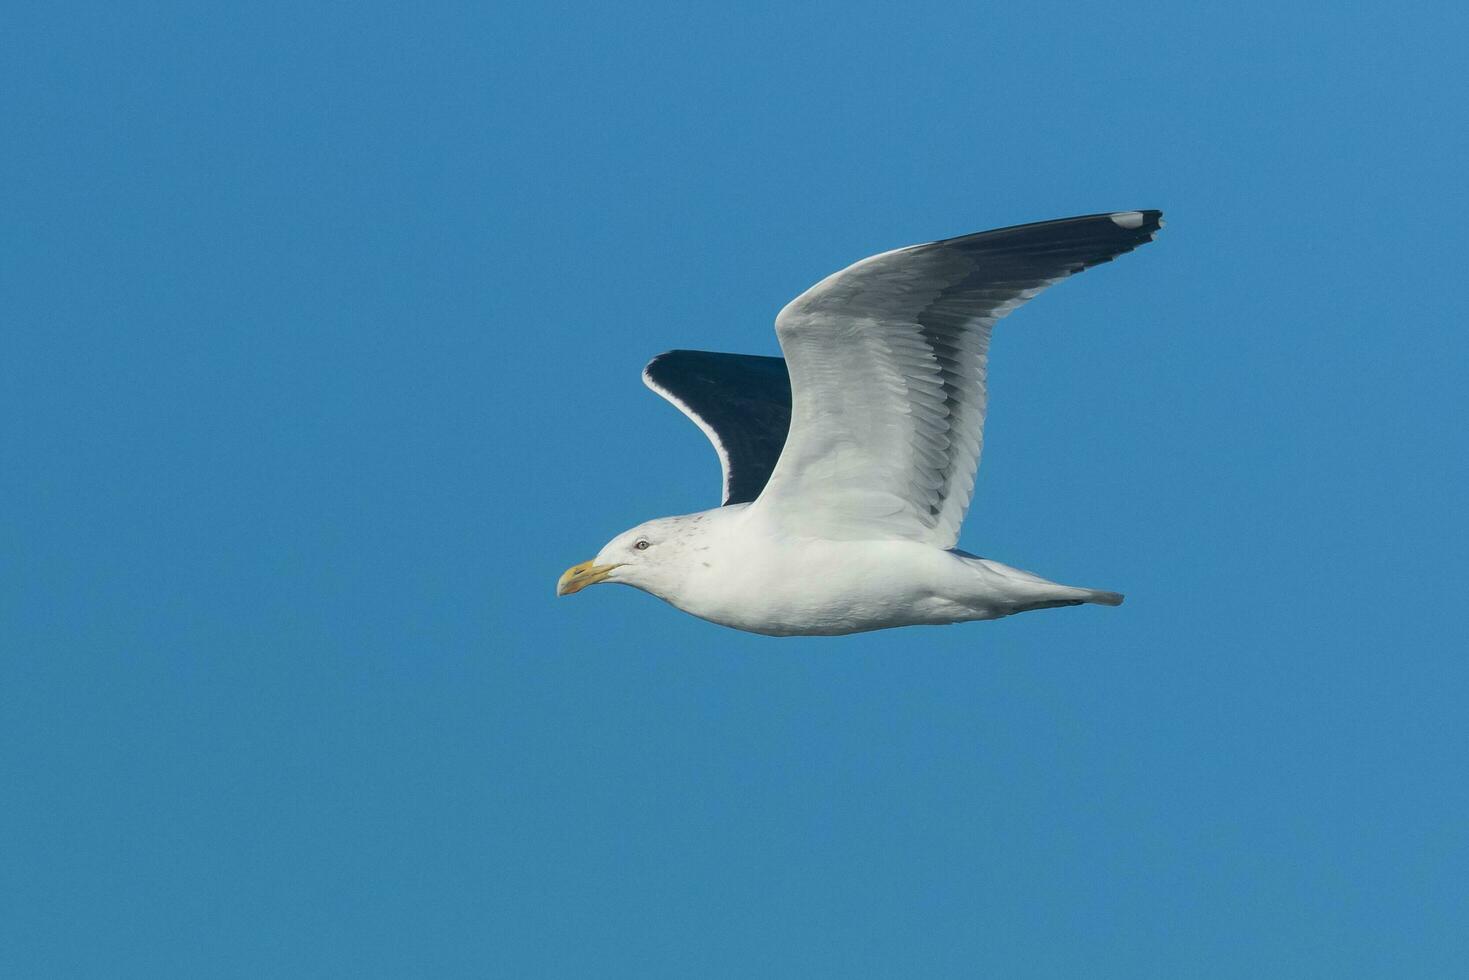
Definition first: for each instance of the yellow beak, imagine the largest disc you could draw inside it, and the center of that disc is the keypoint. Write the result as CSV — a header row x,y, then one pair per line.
x,y
578,577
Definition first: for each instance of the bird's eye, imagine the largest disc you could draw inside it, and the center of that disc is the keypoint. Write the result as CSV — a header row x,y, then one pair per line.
x,y
642,544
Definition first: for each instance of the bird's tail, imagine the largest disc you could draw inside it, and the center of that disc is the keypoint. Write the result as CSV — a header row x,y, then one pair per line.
x,y
1033,592
1067,596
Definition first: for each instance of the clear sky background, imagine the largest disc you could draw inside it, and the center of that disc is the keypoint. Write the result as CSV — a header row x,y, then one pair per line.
x,y
320,350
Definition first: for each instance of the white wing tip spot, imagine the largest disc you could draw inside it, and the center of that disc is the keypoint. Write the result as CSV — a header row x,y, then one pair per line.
x,y
1127,219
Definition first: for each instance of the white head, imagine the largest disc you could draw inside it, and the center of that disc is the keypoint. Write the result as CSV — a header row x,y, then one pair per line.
x,y
651,557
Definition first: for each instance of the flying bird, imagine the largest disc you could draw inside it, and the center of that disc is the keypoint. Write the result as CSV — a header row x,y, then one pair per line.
x,y
848,464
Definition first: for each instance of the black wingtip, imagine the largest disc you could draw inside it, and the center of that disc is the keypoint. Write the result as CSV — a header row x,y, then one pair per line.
x,y
1096,237
1145,220
1135,227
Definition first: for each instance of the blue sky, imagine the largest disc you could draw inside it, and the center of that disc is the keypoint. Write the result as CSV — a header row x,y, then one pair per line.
x,y
322,331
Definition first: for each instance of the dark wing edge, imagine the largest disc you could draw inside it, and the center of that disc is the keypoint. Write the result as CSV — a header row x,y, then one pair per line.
x,y
1062,246
742,402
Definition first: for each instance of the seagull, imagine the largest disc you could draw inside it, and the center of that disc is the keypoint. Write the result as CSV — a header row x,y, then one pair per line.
x,y
848,464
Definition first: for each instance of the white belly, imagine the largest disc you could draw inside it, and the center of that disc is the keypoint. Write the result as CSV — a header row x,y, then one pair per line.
x,y
834,587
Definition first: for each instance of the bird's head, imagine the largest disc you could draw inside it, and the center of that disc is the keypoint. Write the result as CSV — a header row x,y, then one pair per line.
x,y
641,557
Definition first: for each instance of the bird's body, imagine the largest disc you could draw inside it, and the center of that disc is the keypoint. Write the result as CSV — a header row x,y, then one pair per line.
x,y
723,566
849,465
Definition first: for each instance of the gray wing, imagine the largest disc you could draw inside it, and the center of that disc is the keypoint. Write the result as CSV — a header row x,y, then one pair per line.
x,y
741,402
887,362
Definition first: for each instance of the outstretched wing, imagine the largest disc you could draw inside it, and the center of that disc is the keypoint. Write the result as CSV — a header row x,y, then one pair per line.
x,y
743,404
887,367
